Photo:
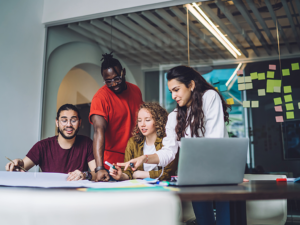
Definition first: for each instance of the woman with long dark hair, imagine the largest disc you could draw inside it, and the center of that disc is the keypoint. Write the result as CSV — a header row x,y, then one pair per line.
x,y
201,112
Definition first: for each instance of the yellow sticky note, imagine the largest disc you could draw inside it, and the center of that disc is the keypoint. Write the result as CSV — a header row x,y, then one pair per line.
x,y
254,104
241,87
217,88
289,106
295,66
248,79
270,74
285,72
288,98
277,101
290,115
246,104
277,90
254,75
230,101
271,84
261,76
287,89
299,105
241,80
249,86
261,92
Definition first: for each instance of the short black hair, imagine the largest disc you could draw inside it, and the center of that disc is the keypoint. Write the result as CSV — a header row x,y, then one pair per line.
x,y
110,62
68,107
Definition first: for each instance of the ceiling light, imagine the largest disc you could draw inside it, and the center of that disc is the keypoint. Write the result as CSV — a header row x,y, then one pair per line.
x,y
201,16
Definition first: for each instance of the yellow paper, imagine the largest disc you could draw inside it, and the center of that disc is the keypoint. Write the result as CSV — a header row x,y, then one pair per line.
x,y
290,115
246,104
287,89
270,74
230,101
255,104
271,84
253,75
261,76
295,66
289,106
277,101
288,98
261,92
285,72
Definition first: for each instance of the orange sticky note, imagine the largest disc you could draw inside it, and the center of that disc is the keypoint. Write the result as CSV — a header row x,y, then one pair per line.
x,y
278,108
279,119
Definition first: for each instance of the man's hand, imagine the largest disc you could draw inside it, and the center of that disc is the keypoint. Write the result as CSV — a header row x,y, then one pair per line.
x,y
75,175
14,166
102,175
115,173
136,162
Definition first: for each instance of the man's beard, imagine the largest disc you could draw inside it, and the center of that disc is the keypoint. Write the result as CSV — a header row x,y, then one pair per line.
x,y
64,136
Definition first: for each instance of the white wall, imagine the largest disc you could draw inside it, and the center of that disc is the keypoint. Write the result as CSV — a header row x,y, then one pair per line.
x,y
21,61
57,11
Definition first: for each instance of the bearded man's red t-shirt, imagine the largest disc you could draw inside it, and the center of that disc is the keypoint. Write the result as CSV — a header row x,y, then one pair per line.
x,y
120,113
51,157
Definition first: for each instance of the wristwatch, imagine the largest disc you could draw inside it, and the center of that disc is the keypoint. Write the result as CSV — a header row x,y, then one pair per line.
x,y
99,168
87,175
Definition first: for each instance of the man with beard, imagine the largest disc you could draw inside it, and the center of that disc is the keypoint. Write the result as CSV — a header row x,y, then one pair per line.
x,y
113,115
64,153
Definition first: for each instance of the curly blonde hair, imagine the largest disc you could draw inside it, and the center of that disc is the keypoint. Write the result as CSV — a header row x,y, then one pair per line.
x,y
160,117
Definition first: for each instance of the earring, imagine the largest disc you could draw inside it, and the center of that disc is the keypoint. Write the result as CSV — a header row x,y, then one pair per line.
x,y
192,90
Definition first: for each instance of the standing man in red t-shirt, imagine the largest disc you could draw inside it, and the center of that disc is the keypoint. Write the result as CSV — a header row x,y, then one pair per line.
x,y
113,115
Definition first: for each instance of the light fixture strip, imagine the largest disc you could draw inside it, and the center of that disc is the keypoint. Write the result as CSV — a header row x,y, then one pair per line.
x,y
234,73
215,28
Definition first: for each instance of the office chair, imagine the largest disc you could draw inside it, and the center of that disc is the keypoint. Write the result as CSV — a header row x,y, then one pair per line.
x,y
264,212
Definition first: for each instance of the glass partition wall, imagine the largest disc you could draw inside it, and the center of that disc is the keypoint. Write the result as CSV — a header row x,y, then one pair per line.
x,y
248,50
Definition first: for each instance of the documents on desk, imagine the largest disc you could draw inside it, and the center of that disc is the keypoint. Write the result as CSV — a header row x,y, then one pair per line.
x,y
59,180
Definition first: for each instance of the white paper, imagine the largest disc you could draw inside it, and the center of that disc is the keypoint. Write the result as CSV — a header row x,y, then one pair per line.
x,y
58,180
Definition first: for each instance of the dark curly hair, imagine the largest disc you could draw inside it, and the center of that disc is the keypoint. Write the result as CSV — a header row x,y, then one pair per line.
x,y
110,62
195,120
160,116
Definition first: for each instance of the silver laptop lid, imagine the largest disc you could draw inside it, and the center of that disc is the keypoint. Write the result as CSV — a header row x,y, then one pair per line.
x,y
208,161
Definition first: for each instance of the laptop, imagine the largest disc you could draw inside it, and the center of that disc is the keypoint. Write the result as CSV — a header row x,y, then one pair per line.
x,y
211,161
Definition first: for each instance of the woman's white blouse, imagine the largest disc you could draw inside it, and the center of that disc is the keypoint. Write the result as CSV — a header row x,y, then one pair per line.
x,y
214,127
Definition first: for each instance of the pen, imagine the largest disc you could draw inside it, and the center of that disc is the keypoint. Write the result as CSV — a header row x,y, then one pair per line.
x,y
110,165
131,165
16,165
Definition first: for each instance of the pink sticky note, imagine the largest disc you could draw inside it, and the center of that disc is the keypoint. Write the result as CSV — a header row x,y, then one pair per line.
x,y
272,67
278,108
239,72
279,119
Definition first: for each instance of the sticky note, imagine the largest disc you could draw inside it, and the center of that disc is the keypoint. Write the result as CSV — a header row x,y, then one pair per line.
x,y
253,75
299,105
248,79
241,87
246,104
289,106
223,88
285,72
270,74
272,67
230,101
261,92
239,72
287,89
288,98
277,89
249,86
279,119
278,108
261,76
215,80
254,104
217,88
277,101
241,80
271,84
295,66
290,115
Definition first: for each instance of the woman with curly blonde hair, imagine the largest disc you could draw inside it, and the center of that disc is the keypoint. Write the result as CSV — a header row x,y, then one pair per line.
x,y
147,139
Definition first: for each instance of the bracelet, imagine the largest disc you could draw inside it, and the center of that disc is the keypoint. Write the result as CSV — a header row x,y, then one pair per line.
x,y
147,159
87,175
99,168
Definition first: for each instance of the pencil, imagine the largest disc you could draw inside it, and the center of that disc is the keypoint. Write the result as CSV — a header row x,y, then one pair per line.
x,y
16,165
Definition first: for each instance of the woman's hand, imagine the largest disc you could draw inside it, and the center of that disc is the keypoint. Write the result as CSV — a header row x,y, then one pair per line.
x,y
136,162
75,175
140,174
115,173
